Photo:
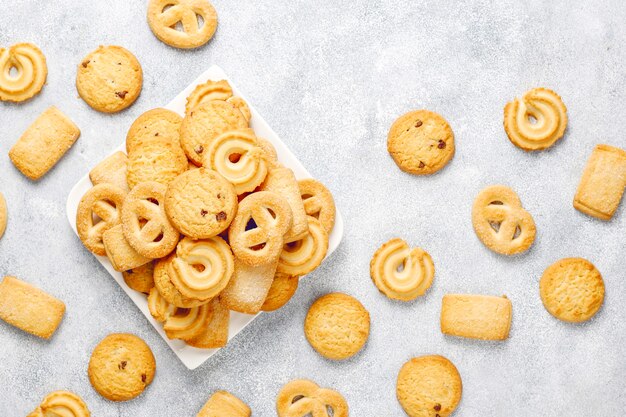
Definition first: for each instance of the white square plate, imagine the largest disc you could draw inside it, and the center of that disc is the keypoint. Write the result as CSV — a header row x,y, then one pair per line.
x,y
190,356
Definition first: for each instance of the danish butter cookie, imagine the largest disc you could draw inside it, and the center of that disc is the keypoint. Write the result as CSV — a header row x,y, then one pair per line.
x,y
140,278
208,91
121,367
3,215
476,316
241,104
30,68
282,289
302,397
318,202
158,306
187,323
303,256
121,254
337,326
429,386
214,333
224,404
98,211
572,289
420,142
163,21
61,404
109,79
271,157
159,160
152,125
248,288
111,170
163,283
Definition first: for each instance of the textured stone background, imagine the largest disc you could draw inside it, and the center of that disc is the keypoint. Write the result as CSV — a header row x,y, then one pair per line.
x,y
331,78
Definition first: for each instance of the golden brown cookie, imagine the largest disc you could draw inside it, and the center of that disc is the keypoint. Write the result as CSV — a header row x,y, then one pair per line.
x,y
303,256
500,221
421,142
429,386
30,68
187,323
224,404
302,397
163,283
241,104
121,254
109,79
247,289
98,211
282,289
400,272
140,278
476,316
208,91
152,125
271,157
318,202
61,404
3,215
159,160
111,170
197,18
337,326
536,121
215,330
572,289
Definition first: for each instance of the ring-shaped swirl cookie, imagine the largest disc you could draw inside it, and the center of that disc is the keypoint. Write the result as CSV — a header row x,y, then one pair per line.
x,y
304,255
62,404
302,397
186,323
30,68
98,211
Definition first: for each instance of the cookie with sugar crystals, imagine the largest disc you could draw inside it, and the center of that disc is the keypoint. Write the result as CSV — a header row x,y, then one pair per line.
x,y
224,404
476,316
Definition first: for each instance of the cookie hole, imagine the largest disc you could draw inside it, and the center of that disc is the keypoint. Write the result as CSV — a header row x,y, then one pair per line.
x,y
518,232
297,398
495,226
330,411
14,72
258,247
167,7
153,200
198,267
293,246
200,21
95,219
306,196
251,224
178,26
315,214
496,203
401,266
272,213
532,119
234,157
159,238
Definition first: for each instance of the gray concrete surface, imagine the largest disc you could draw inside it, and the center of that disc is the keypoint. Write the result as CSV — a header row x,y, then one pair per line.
x,y
330,77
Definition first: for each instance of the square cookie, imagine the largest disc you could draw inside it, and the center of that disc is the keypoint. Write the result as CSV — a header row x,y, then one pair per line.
x,y
122,256
476,316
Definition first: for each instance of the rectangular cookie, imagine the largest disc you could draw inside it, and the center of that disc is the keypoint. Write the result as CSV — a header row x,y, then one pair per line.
x,y
44,142
476,316
122,256
282,181
224,404
247,289
215,334
602,184
29,308
111,170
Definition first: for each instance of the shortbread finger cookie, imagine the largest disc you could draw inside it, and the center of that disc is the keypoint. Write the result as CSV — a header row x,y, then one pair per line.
x,y
61,404
204,123
476,316
44,143
121,254
208,91
163,20
282,181
214,333
421,142
572,289
303,256
140,278
111,170
187,323
3,215
105,202
500,221
200,203
302,397
247,289
282,289
602,184
109,79
121,367
318,202
154,124
163,283
30,309
400,272
224,404
536,121
30,68
337,326
429,386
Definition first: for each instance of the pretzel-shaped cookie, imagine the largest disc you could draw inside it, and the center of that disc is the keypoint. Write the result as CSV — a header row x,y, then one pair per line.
x,y
501,222
236,156
303,256
202,268
302,397
61,403
163,21
31,68
98,211
318,202
537,120
400,272
270,217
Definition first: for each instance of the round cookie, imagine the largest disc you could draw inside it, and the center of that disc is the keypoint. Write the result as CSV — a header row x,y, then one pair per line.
x,y
141,278
200,203
421,142
337,326
153,125
109,79
121,367
163,22
572,289
429,386
3,215
30,68
282,289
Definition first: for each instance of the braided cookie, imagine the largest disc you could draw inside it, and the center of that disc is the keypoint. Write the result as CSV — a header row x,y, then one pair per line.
x,y
214,333
318,202
224,404
500,221
400,272
31,72
208,91
282,289
163,21
61,404
302,397
163,270
98,211
536,121
303,256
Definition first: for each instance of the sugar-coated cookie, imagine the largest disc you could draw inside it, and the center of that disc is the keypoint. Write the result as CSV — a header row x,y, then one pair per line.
x,y
3,215
163,284
536,121
208,91
303,256
337,326
163,20
214,333
28,308
429,386
111,170
44,143
121,367
109,79
153,125
224,404
572,289
282,181
61,404
318,202
282,289
121,254
105,201
248,288
31,72
476,316
140,278
302,397
420,142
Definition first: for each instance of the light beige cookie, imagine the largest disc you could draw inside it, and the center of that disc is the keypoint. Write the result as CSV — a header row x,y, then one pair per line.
x,y
400,272
44,143
429,386
271,156
241,104
61,404
111,170
3,215
28,308
30,68
500,221
421,142
158,306
536,121
187,323
476,316
121,254
159,160
572,289
141,278
215,330
165,15
224,404
302,397
163,283
98,211
247,289
318,202
282,289
208,91
154,125
337,326
121,367
602,184
109,79
303,256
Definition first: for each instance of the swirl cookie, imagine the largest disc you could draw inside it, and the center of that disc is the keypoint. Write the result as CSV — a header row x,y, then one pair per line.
x,y
420,142
165,15
224,404
3,215
337,326
429,386
200,203
109,79
61,404
111,170
187,323
121,254
572,289
163,283
153,125
158,306
318,202
98,211
282,289
476,316
302,397
208,91
536,121
303,256
500,221
30,68
121,367
400,272
141,278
